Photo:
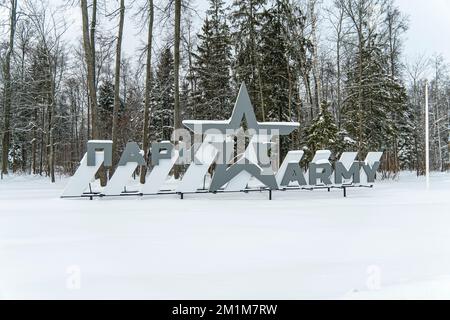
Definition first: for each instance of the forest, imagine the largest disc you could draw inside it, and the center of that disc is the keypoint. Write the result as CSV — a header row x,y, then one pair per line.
x,y
335,66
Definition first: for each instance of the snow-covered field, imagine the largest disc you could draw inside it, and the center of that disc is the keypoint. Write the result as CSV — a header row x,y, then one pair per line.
x,y
389,242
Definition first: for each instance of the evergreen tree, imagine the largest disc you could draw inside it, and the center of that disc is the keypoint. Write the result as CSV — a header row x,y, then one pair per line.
x,y
398,145
373,125
212,65
274,66
247,18
105,109
276,71
163,98
406,131
323,134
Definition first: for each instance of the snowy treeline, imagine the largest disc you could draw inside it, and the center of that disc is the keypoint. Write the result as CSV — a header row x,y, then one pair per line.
x,y
335,66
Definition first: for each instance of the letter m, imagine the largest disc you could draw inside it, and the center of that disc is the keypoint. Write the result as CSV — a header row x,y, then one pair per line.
x,y
246,309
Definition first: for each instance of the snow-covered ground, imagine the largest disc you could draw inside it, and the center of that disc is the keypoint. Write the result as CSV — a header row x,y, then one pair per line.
x,y
389,242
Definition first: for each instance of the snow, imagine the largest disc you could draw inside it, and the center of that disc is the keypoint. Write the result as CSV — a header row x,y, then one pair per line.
x,y
349,140
101,141
437,288
389,242
202,122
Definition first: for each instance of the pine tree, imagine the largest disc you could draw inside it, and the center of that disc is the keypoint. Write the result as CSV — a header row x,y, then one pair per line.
x,y
247,17
374,126
323,134
162,110
105,109
275,68
212,66
398,145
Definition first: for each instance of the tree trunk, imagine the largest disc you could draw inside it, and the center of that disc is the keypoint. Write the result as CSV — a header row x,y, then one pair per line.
x,y
51,152
176,67
148,87
338,67
92,40
41,144
309,93
8,89
89,51
34,143
117,84
360,92
315,59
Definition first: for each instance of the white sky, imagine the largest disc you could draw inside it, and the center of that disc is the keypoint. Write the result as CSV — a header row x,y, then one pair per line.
x,y
428,32
429,27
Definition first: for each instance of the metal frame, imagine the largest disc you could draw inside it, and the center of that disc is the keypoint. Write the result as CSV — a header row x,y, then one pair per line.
x,y
91,195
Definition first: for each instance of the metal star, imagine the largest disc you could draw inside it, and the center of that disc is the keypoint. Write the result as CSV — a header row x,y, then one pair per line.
x,y
242,109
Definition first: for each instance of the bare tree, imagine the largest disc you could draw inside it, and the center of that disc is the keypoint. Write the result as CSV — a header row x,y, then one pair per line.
x,y
396,25
312,5
336,16
176,68
8,87
117,81
89,51
415,71
176,65
148,88
49,30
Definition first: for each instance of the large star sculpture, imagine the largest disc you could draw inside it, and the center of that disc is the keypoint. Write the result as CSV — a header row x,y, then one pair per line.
x,y
242,109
